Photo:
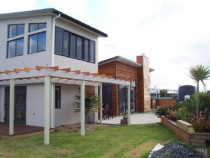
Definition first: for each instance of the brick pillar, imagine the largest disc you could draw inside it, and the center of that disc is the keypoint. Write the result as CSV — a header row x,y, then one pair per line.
x,y
143,85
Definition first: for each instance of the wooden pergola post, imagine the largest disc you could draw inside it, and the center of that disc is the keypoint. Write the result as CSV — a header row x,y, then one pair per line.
x,y
12,106
129,104
47,94
100,101
82,108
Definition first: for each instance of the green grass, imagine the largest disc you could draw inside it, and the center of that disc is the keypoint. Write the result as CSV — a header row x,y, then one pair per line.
x,y
122,141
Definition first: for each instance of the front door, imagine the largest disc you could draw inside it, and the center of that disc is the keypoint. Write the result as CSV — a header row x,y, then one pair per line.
x,y
20,104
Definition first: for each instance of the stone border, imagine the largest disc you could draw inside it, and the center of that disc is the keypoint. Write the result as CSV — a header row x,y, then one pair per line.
x,y
192,138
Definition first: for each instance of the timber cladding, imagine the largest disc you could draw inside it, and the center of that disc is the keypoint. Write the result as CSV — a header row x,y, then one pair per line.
x,y
121,70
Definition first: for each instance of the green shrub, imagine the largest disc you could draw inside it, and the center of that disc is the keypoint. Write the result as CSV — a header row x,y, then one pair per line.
x,y
198,126
162,111
183,114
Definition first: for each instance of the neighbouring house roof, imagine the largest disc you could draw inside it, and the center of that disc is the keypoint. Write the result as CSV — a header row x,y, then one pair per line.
x,y
52,11
120,59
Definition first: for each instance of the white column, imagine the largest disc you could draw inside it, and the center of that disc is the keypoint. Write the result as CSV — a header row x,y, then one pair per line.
x,y
52,116
47,94
12,107
129,104
82,108
101,104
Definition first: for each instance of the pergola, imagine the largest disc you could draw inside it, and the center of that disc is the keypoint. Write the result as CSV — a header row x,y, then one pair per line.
x,y
49,76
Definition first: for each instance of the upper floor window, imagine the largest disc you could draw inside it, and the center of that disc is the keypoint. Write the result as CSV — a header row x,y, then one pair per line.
x,y
37,26
15,48
74,46
37,42
16,30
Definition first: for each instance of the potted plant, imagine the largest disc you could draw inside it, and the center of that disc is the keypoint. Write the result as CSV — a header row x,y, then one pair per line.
x,y
124,120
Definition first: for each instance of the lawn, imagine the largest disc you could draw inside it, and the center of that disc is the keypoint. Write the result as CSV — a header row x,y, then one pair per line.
x,y
121,141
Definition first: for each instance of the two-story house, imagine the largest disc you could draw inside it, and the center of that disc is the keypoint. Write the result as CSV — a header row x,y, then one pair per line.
x,y
46,38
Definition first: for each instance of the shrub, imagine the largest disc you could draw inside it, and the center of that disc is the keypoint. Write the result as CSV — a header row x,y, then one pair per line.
x,y
198,126
162,111
182,114
171,115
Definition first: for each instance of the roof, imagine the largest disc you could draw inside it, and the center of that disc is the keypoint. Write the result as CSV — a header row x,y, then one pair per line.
x,y
120,59
52,11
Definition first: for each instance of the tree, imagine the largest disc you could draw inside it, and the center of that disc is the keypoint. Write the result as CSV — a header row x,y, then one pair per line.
x,y
92,104
199,73
163,93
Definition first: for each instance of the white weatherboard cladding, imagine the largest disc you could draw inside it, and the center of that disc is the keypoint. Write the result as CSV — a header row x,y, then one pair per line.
x,y
26,60
66,115
35,105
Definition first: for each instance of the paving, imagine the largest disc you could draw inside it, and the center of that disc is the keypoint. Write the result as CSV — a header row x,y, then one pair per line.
x,y
137,118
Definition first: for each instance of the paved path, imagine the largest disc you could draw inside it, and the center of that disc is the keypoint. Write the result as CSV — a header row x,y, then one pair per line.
x,y
140,118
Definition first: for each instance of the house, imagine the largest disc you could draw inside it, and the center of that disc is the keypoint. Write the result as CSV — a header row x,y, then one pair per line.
x,y
138,73
47,57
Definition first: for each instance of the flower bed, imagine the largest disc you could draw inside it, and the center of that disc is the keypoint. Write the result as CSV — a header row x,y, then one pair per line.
x,y
192,138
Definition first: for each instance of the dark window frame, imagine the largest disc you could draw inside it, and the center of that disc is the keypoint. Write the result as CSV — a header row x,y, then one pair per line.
x,y
37,42
83,45
58,106
15,47
8,30
38,26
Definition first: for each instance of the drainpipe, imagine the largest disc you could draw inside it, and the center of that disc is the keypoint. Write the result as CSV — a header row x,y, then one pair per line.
x,y
53,40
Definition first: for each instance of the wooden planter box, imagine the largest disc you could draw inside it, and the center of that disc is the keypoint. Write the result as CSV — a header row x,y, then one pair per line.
x,y
202,139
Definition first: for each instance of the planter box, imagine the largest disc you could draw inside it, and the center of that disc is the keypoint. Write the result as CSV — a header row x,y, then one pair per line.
x,y
124,121
202,139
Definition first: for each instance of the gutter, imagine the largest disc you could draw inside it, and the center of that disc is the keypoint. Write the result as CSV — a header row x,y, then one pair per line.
x,y
53,39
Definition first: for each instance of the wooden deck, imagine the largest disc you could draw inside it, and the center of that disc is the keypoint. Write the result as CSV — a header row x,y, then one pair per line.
x,y
19,129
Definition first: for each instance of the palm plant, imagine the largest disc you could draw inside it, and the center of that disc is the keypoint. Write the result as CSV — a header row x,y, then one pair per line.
x,y
199,73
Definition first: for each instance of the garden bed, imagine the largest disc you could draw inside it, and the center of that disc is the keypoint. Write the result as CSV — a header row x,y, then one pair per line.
x,y
202,139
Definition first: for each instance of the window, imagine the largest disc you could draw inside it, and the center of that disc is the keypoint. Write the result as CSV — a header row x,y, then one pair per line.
x,y
15,48
16,30
57,97
37,42
74,46
37,26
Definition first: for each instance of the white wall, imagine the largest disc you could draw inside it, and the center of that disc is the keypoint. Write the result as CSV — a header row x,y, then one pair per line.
x,y
66,115
35,105
26,60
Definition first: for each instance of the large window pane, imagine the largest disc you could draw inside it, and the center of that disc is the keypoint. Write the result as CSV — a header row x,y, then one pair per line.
x,y
33,44
20,30
92,51
11,49
58,40
42,42
73,46
16,30
42,25
33,27
12,31
86,50
19,47
66,43
79,48
15,48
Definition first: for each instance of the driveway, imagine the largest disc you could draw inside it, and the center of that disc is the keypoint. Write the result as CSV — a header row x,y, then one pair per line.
x,y
140,118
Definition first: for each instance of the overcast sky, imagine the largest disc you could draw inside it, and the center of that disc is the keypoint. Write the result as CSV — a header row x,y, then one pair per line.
x,y
174,34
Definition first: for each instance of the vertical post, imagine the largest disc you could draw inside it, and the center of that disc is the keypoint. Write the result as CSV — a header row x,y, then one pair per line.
x,y
129,104
100,97
47,94
82,109
12,106
52,116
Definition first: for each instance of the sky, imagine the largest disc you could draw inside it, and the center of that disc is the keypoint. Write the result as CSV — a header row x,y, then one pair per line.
x,y
173,34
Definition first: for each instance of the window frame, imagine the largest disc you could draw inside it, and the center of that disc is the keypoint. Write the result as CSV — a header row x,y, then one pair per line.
x,y
16,36
83,47
29,26
37,41
16,39
59,96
